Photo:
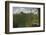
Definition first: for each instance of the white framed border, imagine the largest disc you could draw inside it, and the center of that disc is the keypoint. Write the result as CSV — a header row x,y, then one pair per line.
x,y
11,5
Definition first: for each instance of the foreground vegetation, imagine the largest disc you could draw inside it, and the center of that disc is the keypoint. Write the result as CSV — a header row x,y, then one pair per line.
x,y
25,20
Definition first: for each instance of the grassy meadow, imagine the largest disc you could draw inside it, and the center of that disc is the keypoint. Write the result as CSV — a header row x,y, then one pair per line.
x,y
25,20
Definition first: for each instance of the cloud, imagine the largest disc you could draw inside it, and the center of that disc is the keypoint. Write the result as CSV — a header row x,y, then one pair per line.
x,y
25,10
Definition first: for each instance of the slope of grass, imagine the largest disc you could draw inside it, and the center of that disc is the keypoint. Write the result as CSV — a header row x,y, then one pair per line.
x,y
25,20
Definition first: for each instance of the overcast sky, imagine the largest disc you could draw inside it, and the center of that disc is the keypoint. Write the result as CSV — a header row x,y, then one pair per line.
x,y
25,10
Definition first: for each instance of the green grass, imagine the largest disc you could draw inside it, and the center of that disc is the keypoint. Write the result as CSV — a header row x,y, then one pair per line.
x,y
24,20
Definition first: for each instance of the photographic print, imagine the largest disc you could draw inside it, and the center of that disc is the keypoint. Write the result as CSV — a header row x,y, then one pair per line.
x,y
24,17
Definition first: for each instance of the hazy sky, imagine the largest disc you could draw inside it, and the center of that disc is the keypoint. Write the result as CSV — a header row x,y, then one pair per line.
x,y
25,10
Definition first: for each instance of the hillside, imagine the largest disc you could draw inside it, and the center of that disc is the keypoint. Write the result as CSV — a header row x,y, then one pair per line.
x,y
25,20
